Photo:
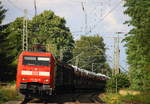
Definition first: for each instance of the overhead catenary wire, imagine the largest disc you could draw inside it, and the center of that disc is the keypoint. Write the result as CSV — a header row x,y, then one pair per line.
x,y
97,23
86,14
11,15
16,7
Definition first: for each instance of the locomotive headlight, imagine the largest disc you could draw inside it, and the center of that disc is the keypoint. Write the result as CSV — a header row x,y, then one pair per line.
x,y
45,80
24,79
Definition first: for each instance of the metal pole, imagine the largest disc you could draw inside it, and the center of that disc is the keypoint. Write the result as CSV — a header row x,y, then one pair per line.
x,y
25,32
35,7
116,85
26,35
115,55
77,61
85,13
118,55
61,54
92,67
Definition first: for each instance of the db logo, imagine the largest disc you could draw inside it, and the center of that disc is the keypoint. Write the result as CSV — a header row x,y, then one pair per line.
x,y
35,73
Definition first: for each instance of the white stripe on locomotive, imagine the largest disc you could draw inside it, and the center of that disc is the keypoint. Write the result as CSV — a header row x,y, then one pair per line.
x,y
31,73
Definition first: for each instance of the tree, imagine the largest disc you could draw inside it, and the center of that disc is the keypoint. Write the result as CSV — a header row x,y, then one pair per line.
x,y
5,61
49,29
2,16
138,42
2,12
13,42
89,54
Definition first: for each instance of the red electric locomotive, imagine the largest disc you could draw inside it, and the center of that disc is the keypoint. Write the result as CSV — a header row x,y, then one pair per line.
x,y
35,73
40,74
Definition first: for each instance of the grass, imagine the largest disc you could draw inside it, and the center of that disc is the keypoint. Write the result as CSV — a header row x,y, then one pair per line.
x,y
8,93
125,92
111,98
143,98
116,98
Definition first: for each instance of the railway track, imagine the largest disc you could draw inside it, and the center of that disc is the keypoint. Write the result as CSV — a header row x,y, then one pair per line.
x,y
69,98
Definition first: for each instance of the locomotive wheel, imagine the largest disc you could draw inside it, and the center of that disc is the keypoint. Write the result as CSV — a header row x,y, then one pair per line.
x,y
26,99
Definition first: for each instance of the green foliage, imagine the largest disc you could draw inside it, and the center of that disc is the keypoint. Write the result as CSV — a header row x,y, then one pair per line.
x,y
13,42
8,55
90,51
138,42
2,15
49,29
2,12
117,82
4,61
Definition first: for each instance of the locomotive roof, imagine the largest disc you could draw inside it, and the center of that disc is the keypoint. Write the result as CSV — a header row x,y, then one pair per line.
x,y
36,53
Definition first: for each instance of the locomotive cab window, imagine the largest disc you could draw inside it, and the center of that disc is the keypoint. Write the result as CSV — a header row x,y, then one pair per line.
x,y
36,60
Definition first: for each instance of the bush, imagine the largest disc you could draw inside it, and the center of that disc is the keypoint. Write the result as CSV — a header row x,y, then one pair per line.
x,y
117,82
8,93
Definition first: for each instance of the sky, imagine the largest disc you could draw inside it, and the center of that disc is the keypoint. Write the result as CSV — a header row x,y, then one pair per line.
x,y
104,18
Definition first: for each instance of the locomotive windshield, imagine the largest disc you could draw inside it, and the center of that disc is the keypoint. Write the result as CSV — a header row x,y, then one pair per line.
x,y
36,60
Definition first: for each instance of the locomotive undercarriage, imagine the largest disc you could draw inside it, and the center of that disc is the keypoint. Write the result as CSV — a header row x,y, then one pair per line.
x,y
35,89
